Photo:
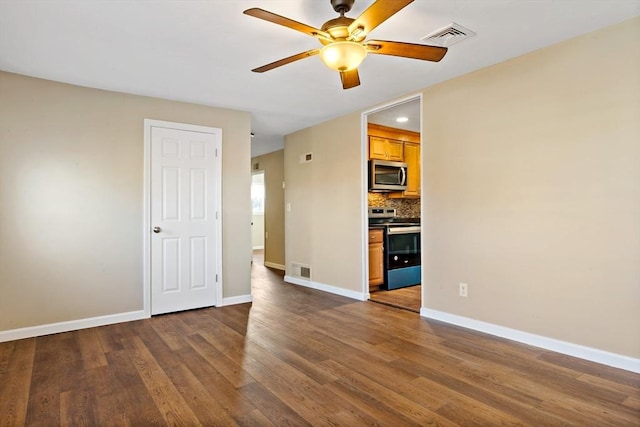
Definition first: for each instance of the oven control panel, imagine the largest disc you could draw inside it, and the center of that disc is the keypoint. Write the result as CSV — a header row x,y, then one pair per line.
x,y
382,213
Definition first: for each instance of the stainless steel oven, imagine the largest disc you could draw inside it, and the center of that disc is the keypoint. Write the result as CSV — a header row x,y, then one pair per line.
x,y
402,256
401,247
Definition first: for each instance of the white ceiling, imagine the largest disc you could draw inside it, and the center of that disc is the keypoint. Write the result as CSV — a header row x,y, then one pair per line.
x,y
388,116
203,51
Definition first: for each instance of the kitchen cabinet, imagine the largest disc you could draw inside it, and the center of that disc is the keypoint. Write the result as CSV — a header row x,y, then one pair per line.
x,y
412,159
398,135
387,143
385,149
376,258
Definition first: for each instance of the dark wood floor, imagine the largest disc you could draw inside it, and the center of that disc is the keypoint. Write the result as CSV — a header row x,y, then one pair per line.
x,y
409,298
302,357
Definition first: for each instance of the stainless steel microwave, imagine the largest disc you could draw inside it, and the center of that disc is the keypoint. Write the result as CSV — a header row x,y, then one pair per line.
x,y
387,176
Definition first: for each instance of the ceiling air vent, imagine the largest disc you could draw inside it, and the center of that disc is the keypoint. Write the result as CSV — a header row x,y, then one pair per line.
x,y
447,36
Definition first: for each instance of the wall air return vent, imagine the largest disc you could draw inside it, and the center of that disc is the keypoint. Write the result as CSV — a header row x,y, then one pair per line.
x,y
306,158
447,36
301,270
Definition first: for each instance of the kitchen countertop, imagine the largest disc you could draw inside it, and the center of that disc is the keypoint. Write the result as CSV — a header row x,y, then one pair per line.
x,y
382,222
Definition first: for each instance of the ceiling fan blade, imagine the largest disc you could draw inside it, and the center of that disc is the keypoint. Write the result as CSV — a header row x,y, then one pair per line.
x,y
350,78
376,14
286,22
285,61
406,50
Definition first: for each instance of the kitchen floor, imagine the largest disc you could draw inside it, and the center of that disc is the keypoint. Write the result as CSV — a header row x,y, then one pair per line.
x,y
409,298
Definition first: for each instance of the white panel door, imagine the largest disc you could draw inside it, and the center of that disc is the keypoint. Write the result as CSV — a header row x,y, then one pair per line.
x,y
183,219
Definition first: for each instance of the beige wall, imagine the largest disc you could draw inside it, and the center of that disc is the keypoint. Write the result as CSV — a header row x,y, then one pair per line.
x,y
531,194
273,166
323,228
71,187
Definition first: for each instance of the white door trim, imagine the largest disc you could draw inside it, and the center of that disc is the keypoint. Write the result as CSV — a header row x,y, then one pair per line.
x,y
364,154
146,219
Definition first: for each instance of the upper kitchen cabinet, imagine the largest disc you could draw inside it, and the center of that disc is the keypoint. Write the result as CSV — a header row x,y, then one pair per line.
x,y
387,143
412,159
397,135
385,149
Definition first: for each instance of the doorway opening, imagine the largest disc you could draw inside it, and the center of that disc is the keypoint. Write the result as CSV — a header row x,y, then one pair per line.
x,y
258,196
393,134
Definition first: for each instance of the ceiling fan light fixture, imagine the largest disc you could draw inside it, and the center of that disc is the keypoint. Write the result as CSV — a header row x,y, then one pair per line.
x,y
343,55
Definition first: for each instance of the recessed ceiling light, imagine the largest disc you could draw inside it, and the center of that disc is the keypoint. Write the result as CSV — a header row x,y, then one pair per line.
x,y
402,119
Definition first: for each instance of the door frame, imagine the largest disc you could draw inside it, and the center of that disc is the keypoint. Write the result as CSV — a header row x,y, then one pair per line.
x,y
364,149
146,218
264,213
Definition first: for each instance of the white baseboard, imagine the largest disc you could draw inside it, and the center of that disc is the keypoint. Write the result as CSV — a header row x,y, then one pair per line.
x,y
274,265
71,325
326,288
255,248
588,353
240,299
92,322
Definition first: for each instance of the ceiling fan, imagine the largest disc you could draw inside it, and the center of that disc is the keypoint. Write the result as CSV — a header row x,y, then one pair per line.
x,y
343,39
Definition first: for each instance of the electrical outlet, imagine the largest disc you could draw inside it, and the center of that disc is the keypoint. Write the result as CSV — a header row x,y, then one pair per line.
x,y
463,290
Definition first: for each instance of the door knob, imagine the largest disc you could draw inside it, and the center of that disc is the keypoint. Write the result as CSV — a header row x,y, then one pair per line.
x,y
157,229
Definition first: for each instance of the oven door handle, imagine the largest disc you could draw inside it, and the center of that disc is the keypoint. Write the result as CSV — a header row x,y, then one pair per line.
x,y
403,230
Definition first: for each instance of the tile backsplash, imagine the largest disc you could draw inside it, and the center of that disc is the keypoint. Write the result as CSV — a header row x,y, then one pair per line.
x,y
406,208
